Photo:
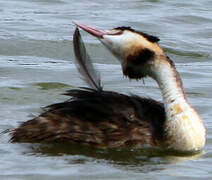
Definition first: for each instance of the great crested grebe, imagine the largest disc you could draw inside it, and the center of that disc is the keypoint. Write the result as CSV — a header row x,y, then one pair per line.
x,y
107,119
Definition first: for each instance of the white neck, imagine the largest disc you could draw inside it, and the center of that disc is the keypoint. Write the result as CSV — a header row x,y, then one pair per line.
x,y
184,129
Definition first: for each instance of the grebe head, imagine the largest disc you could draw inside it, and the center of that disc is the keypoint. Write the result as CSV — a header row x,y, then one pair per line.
x,y
135,50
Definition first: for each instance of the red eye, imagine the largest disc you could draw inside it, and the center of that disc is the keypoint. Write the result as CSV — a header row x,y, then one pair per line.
x,y
119,33
116,33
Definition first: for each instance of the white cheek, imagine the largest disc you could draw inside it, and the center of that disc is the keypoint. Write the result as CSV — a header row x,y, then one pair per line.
x,y
114,42
120,44
115,45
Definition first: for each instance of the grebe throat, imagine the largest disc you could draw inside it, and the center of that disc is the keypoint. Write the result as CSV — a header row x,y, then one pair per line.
x,y
184,129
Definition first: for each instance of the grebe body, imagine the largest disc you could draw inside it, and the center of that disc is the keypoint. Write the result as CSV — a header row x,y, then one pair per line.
x,y
108,119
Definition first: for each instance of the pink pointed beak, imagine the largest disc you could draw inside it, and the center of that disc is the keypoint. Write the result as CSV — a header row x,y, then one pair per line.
x,y
92,30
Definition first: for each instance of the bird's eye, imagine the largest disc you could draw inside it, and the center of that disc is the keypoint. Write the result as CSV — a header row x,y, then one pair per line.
x,y
115,32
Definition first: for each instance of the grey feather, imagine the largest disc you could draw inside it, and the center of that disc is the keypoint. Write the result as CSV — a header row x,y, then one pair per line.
x,y
84,64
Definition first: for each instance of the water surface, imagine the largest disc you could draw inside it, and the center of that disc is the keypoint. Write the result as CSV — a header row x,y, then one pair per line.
x,y
37,67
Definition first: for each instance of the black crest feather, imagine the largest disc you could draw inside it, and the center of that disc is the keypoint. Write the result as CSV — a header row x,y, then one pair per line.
x,y
147,36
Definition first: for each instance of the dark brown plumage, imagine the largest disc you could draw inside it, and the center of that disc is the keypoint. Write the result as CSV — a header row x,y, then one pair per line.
x,y
97,118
